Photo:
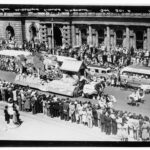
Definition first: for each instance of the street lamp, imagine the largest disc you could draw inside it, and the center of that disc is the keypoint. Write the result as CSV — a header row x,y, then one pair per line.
x,y
52,36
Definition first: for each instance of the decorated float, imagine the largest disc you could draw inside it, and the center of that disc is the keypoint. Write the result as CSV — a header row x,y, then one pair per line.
x,y
65,74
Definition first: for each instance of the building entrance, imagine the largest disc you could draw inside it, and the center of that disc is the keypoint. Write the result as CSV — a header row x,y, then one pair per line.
x,y
57,37
33,33
139,40
10,33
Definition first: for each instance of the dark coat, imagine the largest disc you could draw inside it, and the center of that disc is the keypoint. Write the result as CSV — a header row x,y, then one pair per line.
x,y
6,115
66,107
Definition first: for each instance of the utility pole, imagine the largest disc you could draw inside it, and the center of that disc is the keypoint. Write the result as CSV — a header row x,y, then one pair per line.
x,y
52,37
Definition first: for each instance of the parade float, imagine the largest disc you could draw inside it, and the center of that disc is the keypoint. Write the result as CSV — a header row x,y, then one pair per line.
x,y
68,69
69,84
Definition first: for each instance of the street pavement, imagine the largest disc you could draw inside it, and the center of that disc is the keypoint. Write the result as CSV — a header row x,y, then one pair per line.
x,y
44,128
120,94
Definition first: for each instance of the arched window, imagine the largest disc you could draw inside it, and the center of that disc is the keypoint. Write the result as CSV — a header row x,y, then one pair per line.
x,y
84,36
100,36
139,39
10,33
119,37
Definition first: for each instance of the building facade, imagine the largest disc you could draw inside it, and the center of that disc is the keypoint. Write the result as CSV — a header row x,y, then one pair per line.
x,y
57,25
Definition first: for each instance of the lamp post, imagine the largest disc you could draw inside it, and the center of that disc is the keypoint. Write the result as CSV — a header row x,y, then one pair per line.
x,y
52,37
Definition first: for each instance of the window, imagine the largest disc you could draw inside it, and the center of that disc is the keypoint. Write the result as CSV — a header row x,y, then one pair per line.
x,y
96,70
100,36
84,36
139,40
103,71
108,71
119,37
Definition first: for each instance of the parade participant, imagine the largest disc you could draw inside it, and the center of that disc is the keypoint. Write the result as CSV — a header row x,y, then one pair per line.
x,y
140,94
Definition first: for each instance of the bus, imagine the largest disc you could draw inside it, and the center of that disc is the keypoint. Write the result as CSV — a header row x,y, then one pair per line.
x,y
135,75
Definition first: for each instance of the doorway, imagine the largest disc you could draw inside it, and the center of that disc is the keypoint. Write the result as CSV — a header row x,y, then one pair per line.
x,y
57,37
33,33
10,33
139,40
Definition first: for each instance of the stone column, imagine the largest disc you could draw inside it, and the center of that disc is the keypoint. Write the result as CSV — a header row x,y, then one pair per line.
x,y
115,39
148,38
97,39
23,30
80,39
108,38
49,37
127,38
73,35
53,37
134,40
90,35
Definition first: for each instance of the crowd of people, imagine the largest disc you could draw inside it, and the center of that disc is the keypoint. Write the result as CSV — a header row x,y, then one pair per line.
x,y
126,125
8,64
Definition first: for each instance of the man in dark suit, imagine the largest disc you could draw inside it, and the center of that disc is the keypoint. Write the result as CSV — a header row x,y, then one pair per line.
x,y
61,103
66,110
102,119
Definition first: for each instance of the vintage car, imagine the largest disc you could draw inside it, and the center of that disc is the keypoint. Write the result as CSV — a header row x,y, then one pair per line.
x,y
100,71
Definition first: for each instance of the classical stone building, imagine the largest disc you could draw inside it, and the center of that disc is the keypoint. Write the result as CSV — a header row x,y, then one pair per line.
x,y
77,25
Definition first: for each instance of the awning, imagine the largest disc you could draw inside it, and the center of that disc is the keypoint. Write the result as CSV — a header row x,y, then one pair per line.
x,y
14,53
71,65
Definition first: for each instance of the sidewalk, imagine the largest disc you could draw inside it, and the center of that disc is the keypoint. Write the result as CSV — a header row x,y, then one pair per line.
x,y
41,127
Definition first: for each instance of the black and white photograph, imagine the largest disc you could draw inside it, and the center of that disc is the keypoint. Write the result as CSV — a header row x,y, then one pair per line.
x,y
74,75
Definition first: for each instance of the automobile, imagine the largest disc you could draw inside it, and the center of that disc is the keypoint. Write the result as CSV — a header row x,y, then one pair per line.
x,y
101,71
